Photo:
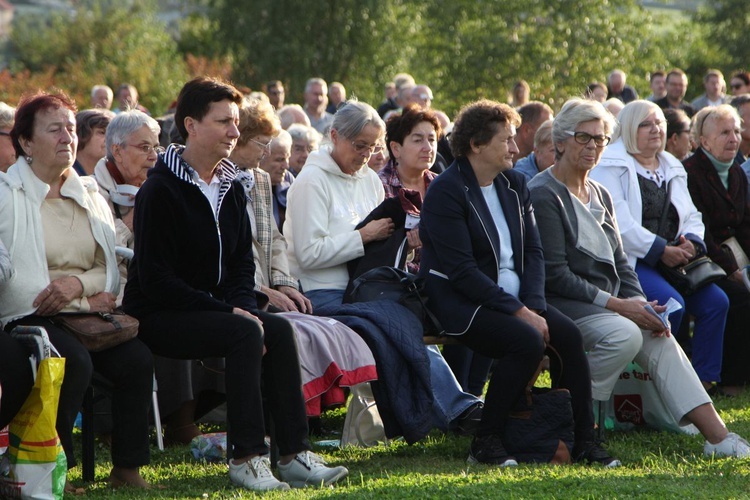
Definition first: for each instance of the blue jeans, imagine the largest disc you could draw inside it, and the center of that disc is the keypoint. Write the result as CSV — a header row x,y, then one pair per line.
x,y
709,305
450,401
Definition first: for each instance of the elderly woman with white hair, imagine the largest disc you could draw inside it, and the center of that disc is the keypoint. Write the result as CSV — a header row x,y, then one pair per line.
x,y
305,140
719,189
132,147
416,389
645,183
588,278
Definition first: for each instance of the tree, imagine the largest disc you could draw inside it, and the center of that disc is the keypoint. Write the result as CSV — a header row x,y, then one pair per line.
x,y
728,29
463,49
103,43
353,41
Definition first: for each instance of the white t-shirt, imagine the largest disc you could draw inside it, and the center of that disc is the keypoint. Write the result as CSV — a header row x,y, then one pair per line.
x,y
507,278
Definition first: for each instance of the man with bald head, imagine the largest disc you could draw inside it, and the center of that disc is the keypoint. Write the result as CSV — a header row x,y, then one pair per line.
x,y
617,89
336,95
422,95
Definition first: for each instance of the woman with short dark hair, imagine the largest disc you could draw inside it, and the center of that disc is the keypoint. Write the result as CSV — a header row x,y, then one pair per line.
x,y
91,127
483,267
191,285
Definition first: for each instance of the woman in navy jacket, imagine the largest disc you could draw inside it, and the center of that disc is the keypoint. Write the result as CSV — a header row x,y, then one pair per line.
x,y
483,264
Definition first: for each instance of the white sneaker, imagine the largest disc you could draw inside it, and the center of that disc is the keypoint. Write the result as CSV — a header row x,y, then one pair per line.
x,y
309,469
732,446
255,474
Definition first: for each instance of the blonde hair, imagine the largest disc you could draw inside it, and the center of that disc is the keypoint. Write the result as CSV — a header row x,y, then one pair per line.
x,y
631,117
257,117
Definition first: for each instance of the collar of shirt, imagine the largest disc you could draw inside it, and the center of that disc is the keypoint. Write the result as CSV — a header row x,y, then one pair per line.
x,y
211,189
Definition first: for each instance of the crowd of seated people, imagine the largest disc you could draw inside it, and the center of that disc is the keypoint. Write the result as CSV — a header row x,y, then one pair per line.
x,y
539,231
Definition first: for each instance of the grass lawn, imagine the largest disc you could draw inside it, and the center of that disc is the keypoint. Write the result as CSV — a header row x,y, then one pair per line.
x,y
656,465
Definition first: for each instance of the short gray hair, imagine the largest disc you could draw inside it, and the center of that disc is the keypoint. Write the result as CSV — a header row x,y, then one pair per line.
x,y
574,112
283,139
631,116
125,124
300,132
353,117
7,115
97,88
289,113
314,81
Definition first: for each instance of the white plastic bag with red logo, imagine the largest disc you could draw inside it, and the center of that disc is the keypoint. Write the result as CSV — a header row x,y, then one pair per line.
x,y
636,403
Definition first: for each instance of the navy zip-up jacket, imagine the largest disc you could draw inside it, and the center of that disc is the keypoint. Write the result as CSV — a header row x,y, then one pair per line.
x,y
187,258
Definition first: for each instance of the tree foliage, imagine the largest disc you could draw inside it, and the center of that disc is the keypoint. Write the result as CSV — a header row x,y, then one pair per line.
x,y
727,24
352,41
103,43
463,49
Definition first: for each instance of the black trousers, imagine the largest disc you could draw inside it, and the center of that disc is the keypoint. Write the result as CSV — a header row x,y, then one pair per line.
x,y
519,348
15,377
735,369
200,334
128,366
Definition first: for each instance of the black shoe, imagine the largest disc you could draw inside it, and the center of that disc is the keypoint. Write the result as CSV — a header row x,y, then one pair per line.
x,y
717,392
489,450
592,452
468,422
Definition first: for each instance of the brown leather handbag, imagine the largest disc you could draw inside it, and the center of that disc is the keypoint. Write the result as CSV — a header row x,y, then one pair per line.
x,y
98,331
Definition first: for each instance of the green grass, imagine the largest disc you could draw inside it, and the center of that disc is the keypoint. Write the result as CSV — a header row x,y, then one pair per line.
x,y
657,465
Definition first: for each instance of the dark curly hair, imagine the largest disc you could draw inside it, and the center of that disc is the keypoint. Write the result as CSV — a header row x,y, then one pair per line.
x,y
401,125
479,122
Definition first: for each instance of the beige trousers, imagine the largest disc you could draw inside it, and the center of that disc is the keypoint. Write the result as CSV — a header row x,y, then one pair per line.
x,y
612,341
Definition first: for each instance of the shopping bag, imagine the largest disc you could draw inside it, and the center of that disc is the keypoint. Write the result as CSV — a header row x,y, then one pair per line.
x,y
635,403
37,462
362,425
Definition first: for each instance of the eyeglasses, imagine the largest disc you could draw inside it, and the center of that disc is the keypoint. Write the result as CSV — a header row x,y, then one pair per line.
x,y
583,138
301,149
263,145
362,148
147,149
651,125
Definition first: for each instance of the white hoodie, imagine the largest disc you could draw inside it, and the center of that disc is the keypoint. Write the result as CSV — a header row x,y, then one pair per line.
x,y
324,205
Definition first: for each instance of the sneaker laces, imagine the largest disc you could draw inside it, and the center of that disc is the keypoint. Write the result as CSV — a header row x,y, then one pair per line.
x,y
310,459
260,466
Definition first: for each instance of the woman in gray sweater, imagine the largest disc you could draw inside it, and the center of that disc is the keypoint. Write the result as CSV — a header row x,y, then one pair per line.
x,y
589,279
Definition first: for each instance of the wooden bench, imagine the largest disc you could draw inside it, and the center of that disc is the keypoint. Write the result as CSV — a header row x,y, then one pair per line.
x,y
444,340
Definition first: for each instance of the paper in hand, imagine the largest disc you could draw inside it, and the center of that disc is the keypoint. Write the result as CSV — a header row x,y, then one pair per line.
x,y
671,306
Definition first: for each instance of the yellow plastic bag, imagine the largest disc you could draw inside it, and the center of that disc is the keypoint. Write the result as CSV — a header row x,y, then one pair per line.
x,y
37,462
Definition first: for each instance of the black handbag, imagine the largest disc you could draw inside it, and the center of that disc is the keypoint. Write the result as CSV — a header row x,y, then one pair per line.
x,y
389,283
691,277
541,428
